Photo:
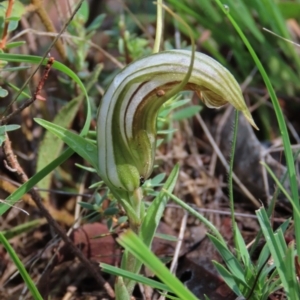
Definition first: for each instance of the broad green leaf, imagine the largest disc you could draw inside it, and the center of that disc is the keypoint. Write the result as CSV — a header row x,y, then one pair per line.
x,y
228,278
15,44
3,92
7,128
156,209
66,154
18,9
121,290
186,112
242,248
52,145
78,144
290,273
230,260
83,12
97,22
273,245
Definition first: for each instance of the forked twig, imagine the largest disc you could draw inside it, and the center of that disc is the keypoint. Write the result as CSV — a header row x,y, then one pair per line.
x,y
35,95
14,165
46,53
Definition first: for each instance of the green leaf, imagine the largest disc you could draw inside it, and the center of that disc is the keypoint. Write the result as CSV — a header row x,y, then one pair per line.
x,y
14,69
12,19
15,44
3,92
24,188
52,145
78,144
242,248
275,246
132,243
18,9
136,277
166,237
66,154
156,209
111,211
194,213
26,277
228,278
97,22
290,274
230,260
7,128
186,112
83,12
25,227
23,93
86,205
157,179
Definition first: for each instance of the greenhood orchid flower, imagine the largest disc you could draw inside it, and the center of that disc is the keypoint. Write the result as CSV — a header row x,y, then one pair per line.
x,y
126,123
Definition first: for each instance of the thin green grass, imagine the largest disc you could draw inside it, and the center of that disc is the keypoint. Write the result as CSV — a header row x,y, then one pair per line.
x,y
282,125
27,279
23,189
241,275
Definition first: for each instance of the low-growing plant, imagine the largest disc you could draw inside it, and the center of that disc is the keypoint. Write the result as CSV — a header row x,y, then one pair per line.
x,y
136,101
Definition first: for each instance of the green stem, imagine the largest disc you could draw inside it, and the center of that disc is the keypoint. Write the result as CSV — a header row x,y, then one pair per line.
x,y
230,181
27,279
136,203
130,262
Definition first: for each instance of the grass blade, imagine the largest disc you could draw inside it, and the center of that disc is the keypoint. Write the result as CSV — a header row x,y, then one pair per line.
x,y
27,279
132,243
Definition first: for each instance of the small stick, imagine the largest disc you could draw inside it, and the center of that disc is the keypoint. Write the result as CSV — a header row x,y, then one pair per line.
x,y
43,15
46,53
14,164
36,93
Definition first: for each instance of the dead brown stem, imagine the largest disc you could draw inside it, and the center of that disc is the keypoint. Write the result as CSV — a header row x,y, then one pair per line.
x,y
45,55
38,4
15,167
5,29
35,95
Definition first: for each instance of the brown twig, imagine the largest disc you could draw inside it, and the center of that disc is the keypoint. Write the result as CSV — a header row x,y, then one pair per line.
x,y
36,93
5,29
45,55
42,13
14,166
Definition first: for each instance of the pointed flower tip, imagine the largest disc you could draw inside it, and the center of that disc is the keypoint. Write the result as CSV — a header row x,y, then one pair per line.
x,y
249,118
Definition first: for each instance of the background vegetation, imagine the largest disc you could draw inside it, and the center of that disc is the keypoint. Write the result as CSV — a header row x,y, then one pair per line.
x,y
94,44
